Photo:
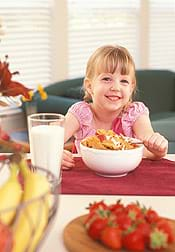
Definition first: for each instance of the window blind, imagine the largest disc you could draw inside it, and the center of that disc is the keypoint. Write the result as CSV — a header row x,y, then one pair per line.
x,y
148,32
100,22
162,34
27,39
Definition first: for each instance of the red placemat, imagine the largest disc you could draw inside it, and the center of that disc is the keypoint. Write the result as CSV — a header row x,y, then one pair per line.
x,y
150,178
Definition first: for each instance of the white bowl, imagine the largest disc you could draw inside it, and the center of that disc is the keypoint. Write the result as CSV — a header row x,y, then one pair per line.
x,y
111,163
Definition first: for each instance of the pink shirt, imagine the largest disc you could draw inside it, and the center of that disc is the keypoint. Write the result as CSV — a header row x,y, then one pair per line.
x,y
82,111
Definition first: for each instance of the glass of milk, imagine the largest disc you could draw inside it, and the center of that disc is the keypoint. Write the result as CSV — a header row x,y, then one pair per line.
x,y
46,137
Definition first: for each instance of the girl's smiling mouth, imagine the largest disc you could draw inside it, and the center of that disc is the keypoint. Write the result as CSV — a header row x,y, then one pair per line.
x,y
113,97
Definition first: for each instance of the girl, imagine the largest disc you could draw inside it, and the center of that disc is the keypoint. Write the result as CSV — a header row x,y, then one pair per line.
x,y
109,86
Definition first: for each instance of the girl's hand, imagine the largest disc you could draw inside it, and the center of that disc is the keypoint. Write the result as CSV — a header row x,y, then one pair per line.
x,y
67,160
157,144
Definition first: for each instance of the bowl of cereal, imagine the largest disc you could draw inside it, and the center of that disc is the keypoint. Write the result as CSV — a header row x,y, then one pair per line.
x,y
111,155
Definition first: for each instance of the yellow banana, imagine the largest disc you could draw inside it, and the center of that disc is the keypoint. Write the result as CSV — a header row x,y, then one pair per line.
x,y
10,196
33,217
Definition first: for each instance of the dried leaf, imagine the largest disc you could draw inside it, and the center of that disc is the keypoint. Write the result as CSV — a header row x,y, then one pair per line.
x,y
8,87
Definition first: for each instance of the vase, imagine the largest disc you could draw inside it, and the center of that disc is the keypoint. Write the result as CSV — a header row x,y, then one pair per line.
x,y
30,107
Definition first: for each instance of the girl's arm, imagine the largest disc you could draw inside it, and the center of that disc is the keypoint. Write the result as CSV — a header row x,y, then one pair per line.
x,y
71,126
156,145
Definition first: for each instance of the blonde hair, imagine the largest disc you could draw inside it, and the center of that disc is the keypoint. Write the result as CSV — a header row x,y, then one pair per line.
x,y
108,59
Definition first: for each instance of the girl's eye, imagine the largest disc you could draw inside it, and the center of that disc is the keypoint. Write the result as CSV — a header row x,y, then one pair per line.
x,y
124,82
107,79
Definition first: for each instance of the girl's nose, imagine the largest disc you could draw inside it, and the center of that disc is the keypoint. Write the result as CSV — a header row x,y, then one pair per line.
x,y
115,85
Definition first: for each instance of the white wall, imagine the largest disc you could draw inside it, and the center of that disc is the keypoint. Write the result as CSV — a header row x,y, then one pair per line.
x,y
60,49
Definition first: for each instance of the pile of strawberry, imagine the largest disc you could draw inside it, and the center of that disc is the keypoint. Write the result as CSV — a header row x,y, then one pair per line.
x,y
8,145
132,227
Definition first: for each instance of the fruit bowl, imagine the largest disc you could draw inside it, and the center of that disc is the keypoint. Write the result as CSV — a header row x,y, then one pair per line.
x,y
28,205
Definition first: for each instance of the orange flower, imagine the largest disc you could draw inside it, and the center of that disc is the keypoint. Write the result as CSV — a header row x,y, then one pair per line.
x,y
42,93
9,87
39,90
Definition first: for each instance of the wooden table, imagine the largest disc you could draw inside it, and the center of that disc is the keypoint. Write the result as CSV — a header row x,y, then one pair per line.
x,y
72,206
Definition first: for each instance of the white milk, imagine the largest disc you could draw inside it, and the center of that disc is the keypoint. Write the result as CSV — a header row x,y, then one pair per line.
x,y
46,147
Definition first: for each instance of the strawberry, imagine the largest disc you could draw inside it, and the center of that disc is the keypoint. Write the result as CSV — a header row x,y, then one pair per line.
x,y
116,208
165,226
134,211
101,137
111,236
3,157
96,211
6,239
4,136
134,240
97,205
96,227
123,220
151,216
17,146
158,240
145,229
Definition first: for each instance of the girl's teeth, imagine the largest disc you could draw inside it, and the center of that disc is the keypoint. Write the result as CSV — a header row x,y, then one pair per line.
x,y
113,98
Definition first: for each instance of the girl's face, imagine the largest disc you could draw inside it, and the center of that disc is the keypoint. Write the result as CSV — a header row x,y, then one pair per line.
x,y
111,91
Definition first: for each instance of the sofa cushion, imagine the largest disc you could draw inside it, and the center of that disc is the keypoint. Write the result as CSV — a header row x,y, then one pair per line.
x,y
171,147
55,104
65,88
74,92
162,116
156,88
166,127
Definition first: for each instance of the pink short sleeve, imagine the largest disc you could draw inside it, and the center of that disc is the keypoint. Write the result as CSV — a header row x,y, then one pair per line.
x,y
81,110
135,110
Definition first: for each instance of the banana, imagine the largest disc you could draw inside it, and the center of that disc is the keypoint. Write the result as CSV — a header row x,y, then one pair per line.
x,y
10,195
33,218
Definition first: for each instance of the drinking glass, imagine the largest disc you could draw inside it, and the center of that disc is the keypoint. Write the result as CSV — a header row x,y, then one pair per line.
x,y
46,138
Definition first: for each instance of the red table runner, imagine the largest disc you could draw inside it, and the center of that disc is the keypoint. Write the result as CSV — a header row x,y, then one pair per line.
x,y
150,178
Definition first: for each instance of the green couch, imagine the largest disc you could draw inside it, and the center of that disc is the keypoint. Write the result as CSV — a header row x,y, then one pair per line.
x,y
156,88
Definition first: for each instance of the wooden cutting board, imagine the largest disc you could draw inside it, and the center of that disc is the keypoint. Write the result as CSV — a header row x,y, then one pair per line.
x,y
77,240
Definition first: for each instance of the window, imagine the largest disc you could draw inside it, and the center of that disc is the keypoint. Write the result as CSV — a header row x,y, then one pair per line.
x,y
97,23
51,40
162,34
27,39
145,27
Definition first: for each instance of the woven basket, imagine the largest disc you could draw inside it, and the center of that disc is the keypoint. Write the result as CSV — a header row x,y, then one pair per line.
x,y
53,206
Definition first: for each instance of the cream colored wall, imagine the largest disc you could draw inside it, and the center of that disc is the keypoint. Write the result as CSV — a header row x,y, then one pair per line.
x,y
144,31
59,41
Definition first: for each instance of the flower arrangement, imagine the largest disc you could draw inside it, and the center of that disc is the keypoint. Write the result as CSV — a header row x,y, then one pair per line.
x,y
10,89
30,103
32,94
